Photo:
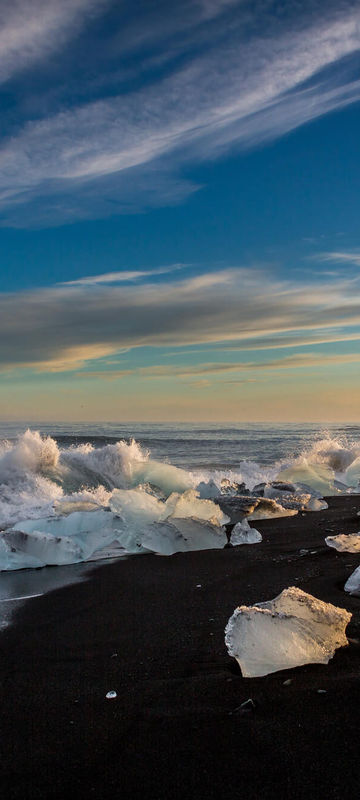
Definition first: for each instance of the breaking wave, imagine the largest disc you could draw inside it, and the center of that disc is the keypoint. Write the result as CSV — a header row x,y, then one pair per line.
x,y
37,477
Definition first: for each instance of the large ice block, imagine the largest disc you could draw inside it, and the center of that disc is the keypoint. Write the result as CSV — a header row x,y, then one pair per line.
x,y
58,540
293,629
180,535
190,505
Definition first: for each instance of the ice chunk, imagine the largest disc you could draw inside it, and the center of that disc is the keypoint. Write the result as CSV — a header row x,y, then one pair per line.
x,y
267,509
136,506
58,540
352,474
243,534
344,542
63,507
190,505
181,535
319,477
352,584
293,629
317,504
209,490
40,548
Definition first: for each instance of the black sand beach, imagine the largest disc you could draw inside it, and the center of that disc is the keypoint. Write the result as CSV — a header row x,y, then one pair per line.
x,y
152,629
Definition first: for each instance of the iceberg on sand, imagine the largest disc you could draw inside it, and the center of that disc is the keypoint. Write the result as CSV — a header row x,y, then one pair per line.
x,y
58,540
293,629
189,522
344,542
243,534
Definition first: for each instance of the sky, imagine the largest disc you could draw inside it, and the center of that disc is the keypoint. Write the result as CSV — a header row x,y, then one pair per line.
x,y
179,210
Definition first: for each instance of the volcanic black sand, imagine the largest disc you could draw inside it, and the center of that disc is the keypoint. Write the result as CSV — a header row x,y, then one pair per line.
x,y
152,629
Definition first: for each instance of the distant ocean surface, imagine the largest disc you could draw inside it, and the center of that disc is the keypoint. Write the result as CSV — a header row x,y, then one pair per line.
x,y
211,446
52,462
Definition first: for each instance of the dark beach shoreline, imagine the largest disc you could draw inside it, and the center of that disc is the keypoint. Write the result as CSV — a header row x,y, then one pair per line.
x,y
152,629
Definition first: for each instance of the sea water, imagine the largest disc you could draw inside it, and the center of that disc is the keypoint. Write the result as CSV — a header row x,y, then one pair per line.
x,y
142,482
54,462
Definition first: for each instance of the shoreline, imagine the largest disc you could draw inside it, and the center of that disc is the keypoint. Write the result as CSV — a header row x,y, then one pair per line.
x,y
175,727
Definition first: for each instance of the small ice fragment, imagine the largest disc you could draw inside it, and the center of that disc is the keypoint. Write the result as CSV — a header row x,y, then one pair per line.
x,y
114,655
248,705
293,629
344,542
111,695
243,534
321,691
198,585
352,584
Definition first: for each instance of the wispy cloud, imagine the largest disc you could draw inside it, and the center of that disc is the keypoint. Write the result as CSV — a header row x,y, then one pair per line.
x,y
127,151
122,277
67,326
30,30
346,257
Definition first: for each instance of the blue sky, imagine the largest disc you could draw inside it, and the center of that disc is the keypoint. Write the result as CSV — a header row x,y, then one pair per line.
x,y
179,206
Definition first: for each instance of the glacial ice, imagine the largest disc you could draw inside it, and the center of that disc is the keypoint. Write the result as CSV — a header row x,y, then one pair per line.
x,y
192,523
268,509
243,534
190,505
183,534
352,584
293,629
352,474
58,540
208,490
136,506
344,542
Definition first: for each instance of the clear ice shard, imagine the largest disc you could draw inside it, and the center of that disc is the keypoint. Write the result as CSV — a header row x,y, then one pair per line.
x,y
190,505
58,540
181,535
293,629
352,584
344,542
243,534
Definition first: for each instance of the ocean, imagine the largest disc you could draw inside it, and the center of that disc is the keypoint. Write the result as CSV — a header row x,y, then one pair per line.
x,y
52,461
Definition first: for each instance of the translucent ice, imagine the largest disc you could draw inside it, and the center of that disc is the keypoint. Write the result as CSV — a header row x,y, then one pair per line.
x,y
344,542
165,476
180,535
352,584
352,474
136,506
58,540
190,505
293,629
243,534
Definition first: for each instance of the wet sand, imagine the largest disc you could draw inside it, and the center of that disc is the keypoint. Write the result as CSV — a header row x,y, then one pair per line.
x,y
152,629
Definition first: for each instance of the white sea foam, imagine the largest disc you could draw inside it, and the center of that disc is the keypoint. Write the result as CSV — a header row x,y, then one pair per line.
x,y
39,479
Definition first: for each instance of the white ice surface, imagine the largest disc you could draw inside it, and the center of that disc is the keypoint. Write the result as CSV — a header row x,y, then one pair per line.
x,y
183,534
243,534
344,542
293,629
58,540
352,584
